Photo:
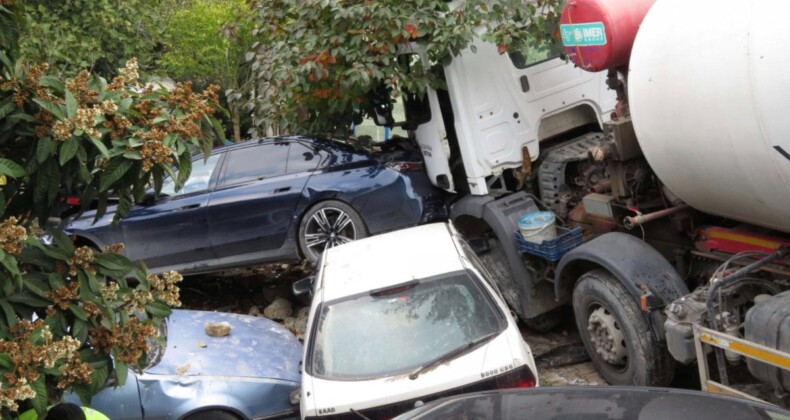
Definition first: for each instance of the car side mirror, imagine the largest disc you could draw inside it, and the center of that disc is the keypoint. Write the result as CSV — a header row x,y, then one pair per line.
x,y
149,198
303,286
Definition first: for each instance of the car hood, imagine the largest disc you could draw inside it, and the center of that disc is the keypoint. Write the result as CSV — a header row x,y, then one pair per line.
x,y
255,348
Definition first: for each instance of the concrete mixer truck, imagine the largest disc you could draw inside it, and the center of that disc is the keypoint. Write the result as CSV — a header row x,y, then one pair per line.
x,y
657,144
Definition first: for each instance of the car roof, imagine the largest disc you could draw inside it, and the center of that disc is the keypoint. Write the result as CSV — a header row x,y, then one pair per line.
x,y
583,402
389,259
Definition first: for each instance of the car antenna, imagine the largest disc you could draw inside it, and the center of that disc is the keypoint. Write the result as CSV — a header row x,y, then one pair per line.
x,y
362,416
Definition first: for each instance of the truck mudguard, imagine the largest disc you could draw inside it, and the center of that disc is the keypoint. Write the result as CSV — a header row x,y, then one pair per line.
x,y
638,266
501,215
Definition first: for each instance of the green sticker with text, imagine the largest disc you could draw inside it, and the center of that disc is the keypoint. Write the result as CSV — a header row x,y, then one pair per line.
x,y
583,34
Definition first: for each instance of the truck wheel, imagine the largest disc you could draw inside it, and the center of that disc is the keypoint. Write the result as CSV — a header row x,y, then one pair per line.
x,y
616,335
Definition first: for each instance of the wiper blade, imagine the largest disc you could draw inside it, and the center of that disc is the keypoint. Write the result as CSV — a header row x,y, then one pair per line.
x,y
452,354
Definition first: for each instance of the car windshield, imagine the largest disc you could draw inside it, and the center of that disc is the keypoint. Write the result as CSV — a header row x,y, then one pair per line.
x,y
391,331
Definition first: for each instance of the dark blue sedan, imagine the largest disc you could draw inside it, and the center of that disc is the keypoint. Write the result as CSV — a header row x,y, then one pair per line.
x,y
274,199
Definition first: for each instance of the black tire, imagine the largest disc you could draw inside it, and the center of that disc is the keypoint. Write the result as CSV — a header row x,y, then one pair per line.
x,y
607,315
327,224
545,322
212,415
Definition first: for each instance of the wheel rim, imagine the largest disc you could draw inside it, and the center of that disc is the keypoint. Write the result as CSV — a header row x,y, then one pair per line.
x,y
326,228
606,337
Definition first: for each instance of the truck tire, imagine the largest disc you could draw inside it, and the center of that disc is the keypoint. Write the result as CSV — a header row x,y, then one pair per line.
x,y
616,335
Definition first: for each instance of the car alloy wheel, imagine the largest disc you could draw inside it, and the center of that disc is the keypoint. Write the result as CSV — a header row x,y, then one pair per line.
x,y
329,224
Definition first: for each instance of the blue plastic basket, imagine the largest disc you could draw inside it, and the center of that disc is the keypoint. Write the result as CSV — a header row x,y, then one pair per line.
x,y
552,249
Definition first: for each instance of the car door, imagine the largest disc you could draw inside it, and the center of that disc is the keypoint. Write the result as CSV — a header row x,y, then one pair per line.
x,y
253,206
173,230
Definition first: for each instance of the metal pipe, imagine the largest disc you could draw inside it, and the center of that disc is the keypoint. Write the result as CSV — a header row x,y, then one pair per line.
x,y
726,281
631,222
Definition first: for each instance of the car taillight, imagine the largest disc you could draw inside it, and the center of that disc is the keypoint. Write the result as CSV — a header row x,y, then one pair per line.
x,y
73,201
406,166
521,377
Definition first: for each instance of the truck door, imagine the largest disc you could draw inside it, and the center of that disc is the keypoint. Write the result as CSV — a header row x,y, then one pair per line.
x,y
430,131
505,103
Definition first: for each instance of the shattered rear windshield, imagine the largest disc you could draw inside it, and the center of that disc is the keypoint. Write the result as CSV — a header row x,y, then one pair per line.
x,y
399,329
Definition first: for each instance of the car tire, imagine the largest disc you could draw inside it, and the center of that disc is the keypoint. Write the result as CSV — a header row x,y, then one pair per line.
x,y
212,415
327,224
616,335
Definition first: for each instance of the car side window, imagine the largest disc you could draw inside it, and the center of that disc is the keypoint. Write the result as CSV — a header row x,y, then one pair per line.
x,y
256,163
302,158
198,179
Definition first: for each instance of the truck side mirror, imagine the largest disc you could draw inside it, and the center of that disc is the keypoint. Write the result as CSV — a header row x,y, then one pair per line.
x,y
381,106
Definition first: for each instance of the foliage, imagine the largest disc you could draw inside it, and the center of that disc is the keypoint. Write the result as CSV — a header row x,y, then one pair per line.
x,y
10,24
64,309
207,40
97,35
316,60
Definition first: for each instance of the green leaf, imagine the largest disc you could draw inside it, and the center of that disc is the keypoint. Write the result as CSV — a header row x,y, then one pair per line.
x,y
9,312
116,170
42,398
121,372
5,361
62,240
36,283
53,83
10,168
20,116
45,148
56,280
9,262
99,145
78,312
51,108
5,60
56,253
67,150
124,105
124,205
113,264
6,108
219,131
71,105
158,309
35,256
80,330
29,299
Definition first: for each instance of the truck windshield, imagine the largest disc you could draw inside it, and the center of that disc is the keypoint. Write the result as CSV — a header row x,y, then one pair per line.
x,y
399,329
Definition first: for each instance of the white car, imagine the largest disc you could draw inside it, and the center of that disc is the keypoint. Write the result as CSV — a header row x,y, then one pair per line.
x,y
404,318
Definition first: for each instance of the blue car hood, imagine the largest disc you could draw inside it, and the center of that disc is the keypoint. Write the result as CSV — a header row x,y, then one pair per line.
x,y
255,348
